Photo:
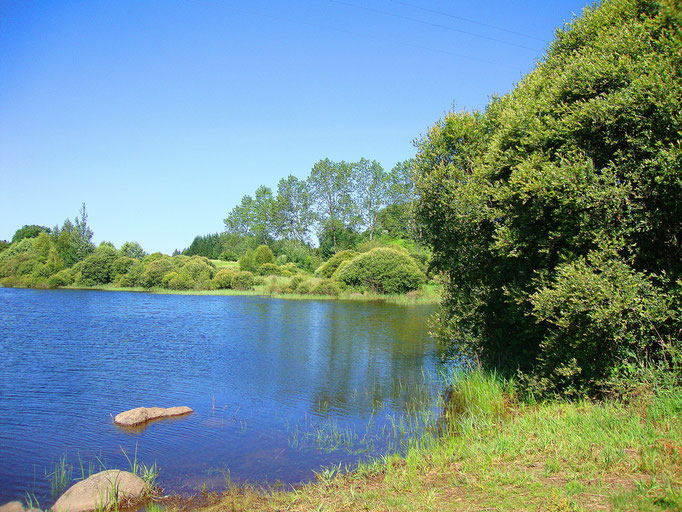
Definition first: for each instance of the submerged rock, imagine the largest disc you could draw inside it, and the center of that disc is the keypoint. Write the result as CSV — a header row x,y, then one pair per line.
x,y
141,415
101,491
12,506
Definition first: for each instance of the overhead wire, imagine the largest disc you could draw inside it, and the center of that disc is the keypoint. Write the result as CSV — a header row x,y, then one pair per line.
x,y
468,20
438,25
365,35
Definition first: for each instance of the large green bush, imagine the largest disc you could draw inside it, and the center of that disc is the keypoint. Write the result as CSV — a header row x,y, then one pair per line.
x,y
328,268
223,279
382,270
96,269
580,164
247,262
262,255
155,269
242,280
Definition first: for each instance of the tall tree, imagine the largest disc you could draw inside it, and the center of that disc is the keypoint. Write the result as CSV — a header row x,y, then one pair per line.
x,y
401,194
83,235
370,191
331,184
240,220
556,212
263,221
293,212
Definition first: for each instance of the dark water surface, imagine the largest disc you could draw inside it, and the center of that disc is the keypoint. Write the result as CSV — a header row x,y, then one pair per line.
x,y
257,371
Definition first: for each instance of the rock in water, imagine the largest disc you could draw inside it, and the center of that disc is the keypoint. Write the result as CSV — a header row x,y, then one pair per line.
x,y
101,491
144,414
12,506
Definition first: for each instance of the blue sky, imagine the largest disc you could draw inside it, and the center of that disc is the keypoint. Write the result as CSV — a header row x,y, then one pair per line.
x,y
161,115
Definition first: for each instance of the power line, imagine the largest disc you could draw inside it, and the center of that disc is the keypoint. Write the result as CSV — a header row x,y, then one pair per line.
x,y
385,13
367,36
470,21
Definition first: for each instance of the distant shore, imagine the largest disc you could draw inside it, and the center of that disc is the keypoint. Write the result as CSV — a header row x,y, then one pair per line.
x,y
429,294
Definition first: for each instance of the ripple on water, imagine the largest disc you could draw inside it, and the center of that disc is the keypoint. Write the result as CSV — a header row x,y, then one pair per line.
x,y
253,369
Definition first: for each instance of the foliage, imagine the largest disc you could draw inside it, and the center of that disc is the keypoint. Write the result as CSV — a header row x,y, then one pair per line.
x,y
293,209
248,261
122,265
155,270
562,196
331,184
132,250
326,287
335,237
263,254
64,277
302,255
242,280
28,231
382,270
223,279
210,246
198,271
599,310
328,268
97,269
371,189
270,269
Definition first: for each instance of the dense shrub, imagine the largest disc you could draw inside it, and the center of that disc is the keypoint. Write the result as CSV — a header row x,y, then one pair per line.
x,y
262,255
247,261
326,287
556,213
199,271
155,270
178,281
132,250
96,269
300,254
328,268
270,269
382,270
27,232
223,279
242,280
122,265
598,310
62,278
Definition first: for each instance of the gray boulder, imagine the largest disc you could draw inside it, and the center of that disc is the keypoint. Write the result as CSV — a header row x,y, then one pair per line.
x,y
101,491
142,415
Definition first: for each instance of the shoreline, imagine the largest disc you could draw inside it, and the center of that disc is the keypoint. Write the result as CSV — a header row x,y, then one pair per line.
x,y
430,295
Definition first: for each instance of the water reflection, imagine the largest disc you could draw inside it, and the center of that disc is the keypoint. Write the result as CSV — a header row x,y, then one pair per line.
x,y
251,368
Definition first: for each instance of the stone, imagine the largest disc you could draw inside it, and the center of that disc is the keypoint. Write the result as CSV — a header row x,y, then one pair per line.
x,y
142,415
12,506
100,491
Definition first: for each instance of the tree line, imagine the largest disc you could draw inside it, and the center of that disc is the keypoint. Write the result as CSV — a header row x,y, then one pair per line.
x,y
343,203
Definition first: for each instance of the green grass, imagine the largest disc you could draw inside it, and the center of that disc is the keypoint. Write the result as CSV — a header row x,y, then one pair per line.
x,y
497,453
225,264
428,294
59,477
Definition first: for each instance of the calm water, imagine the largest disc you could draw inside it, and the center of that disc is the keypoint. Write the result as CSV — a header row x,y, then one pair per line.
x,y
258,372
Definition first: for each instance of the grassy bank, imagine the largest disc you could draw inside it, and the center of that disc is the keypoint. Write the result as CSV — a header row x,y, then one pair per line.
x,y
497,453
428,294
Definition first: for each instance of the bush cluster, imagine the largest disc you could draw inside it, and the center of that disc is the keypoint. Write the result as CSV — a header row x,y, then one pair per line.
x,y
381,270
556,212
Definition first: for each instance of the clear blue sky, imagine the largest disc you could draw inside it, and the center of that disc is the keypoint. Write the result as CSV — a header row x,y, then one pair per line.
x,y
161,115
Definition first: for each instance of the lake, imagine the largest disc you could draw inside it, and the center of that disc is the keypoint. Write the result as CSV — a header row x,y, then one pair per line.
x,y
280,388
